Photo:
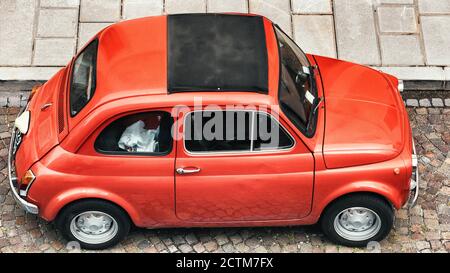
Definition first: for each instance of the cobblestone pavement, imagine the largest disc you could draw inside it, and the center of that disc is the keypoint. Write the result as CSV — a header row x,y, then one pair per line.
x,y
426,228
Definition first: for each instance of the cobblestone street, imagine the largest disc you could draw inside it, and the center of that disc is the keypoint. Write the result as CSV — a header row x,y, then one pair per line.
x,y
426,228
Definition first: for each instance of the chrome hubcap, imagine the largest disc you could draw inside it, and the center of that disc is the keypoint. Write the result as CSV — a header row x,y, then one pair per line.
x,y
93,227
357,223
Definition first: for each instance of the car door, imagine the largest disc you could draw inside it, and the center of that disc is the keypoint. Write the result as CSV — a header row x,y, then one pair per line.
x,y
228,172
132,156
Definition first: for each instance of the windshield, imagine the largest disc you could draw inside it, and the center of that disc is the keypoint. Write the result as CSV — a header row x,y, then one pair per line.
x,y
297,94
83,78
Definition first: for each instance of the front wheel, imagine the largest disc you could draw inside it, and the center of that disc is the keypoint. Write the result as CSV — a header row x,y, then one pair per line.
x,y
355,220
95,224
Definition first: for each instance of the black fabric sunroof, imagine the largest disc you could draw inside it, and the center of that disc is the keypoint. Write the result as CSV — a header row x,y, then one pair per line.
x,y
216,52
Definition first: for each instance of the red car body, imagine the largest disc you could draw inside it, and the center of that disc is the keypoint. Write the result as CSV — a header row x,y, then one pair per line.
x,y
362,143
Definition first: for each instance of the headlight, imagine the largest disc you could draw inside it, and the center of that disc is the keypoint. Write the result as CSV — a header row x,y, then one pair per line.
x,y
401,85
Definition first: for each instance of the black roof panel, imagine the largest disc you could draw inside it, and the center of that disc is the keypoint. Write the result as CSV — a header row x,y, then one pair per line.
x,y
216,52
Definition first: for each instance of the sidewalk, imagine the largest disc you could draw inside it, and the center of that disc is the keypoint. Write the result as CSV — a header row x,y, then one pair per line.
x,y
408,38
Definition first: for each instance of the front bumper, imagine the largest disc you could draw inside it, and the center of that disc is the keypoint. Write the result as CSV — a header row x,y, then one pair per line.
x,y
414,184
27,206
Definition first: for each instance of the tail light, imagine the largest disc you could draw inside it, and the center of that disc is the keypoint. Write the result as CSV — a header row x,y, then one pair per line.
x,y
34,91
25,183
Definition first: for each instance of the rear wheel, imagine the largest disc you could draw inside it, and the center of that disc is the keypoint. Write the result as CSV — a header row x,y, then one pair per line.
x,y
357,219
95,224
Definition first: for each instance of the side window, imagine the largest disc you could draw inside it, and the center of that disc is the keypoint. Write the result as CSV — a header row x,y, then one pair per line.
x,y
234,131
224,131
142,133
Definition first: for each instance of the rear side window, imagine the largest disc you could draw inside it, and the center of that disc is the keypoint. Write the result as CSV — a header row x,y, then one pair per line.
x,y
234,131
82,86
142,133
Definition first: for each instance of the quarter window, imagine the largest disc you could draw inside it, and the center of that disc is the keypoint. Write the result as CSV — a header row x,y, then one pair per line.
x,y
234,131
83,83
142,133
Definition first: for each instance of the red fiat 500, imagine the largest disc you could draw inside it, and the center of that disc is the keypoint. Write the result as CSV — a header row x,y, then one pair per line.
x,y
202,120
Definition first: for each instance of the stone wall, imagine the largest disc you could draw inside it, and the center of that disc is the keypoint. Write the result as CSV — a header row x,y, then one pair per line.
x,y
408,38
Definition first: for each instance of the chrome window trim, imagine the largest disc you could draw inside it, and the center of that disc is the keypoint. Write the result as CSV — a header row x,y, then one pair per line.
x,y
246,152
252,132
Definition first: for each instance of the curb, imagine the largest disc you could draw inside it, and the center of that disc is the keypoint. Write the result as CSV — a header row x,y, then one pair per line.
x,y
427,94
427,103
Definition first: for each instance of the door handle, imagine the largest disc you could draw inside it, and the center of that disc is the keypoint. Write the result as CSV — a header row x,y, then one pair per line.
x,y
187,170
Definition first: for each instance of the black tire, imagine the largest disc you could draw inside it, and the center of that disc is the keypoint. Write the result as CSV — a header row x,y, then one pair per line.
x,y
64,220
377,204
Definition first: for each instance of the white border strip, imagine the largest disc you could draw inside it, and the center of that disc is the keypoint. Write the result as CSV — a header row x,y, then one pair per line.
x,y
27,73
415,73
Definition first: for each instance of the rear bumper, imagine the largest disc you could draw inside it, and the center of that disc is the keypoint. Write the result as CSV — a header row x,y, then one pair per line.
x,y
27,206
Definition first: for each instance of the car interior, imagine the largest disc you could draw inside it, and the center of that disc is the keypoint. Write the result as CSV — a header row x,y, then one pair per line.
x,y
158,121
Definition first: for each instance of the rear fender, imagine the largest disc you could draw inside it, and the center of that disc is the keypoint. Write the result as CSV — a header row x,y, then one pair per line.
x,y
54,206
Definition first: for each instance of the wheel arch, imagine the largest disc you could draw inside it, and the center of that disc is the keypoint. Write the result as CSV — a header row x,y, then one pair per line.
x,y
59,203
381,206
374,194
387,193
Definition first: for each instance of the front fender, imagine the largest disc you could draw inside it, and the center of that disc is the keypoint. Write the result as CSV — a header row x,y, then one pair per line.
x,y
390,193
